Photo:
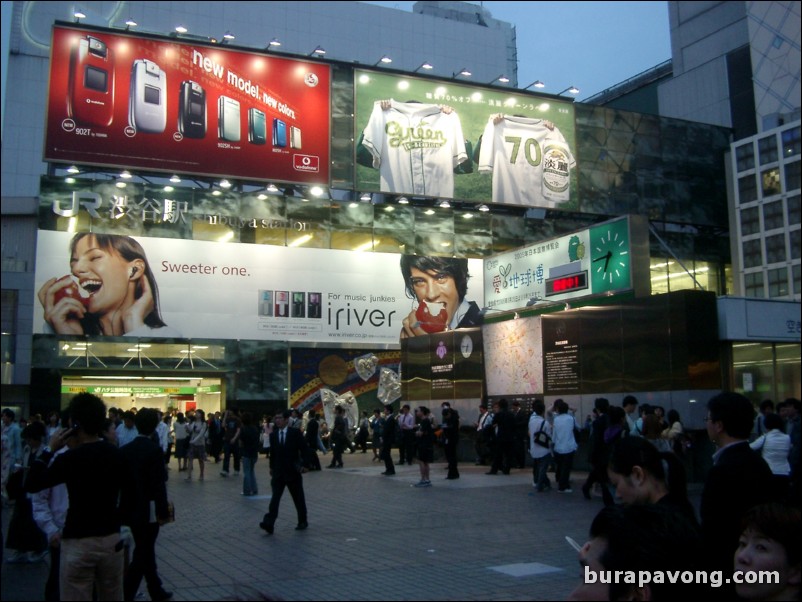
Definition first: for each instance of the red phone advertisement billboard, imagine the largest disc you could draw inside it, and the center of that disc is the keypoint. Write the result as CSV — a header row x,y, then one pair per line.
x,y
120,100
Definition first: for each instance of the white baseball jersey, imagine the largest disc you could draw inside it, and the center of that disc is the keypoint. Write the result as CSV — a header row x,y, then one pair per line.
x,y
415,147
531,164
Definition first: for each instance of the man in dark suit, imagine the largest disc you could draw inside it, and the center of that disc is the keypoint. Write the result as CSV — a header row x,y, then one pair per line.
x,y
287,453
504,454
145,509
739,479
521,444
388,439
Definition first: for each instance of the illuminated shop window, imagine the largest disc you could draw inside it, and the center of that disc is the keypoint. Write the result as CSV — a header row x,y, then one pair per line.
x,y
771,182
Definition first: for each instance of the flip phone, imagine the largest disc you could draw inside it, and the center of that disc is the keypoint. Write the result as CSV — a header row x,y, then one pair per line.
x,y
279,133
295,137
257,127
91,83
147,110
228,119
192,110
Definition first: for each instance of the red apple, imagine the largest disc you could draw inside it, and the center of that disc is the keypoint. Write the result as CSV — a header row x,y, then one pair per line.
x,y
72,290
432,317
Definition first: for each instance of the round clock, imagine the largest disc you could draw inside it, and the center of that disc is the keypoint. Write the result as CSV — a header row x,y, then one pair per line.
x,y
466,346
610,257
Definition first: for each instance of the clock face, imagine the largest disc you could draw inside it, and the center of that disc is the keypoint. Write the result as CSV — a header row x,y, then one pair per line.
x,y
466,346
610,257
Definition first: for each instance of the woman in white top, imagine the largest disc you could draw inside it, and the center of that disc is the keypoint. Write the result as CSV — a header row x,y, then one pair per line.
x,y
564,445
775,446
669,435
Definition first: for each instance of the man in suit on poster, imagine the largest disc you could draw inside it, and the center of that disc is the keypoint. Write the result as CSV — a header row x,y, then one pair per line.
x,y
287,453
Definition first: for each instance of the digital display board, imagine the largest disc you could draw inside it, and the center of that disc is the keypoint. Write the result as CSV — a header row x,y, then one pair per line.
x,y
166,105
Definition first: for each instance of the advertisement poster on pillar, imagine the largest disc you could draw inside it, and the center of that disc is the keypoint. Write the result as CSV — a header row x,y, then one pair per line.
x,y
118,100
118,285
425,137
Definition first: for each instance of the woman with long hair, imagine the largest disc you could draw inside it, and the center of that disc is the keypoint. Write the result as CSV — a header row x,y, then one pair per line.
x,y
111,290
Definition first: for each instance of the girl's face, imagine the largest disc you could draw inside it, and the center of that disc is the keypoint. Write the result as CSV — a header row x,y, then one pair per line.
x,y
756,552
103,273
627,488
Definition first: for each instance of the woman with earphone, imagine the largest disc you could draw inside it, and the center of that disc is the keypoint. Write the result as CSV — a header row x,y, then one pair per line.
x,y
111,290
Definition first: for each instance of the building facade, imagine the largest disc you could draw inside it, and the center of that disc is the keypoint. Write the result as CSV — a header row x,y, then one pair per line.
x,y
671,171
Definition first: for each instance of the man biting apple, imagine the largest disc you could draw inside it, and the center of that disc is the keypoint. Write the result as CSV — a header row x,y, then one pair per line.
x,y
437,286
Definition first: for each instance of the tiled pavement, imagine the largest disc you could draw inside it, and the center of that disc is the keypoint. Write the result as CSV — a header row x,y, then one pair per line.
x,y
371,537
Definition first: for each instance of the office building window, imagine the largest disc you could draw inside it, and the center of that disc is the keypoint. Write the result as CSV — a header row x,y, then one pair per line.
x,y
747,189
752,255
767,147
771,182
773,215
794,237
753,285
791,142
775,248
778,283
750,221
745,157
797,271
794,212
793,178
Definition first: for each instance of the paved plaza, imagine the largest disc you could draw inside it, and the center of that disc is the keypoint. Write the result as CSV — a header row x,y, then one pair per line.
x,y
371,537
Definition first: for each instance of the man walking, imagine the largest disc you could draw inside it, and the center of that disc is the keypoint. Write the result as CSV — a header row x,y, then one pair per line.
x,y
148,492
287,453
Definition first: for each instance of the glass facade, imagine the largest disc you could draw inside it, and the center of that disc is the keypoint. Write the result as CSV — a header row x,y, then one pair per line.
x,y
766,370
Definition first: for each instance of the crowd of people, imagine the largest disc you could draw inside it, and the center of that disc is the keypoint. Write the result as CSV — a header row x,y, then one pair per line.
x,y
748,518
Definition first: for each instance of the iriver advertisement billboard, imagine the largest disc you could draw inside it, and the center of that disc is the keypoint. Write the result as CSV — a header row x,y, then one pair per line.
x,y
424,137
117,100
96,284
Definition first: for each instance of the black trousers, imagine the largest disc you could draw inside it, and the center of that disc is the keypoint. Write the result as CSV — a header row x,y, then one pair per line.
x,y
143,562
450,449
296,487
387,456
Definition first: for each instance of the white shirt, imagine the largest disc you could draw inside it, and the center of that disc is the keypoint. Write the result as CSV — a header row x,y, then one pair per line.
x,y
416,147
774,446
527,159
563,437
535,421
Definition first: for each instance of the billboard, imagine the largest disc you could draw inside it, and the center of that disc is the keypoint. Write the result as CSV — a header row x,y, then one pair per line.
x,y
157,104
120,285
426,137
605,258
